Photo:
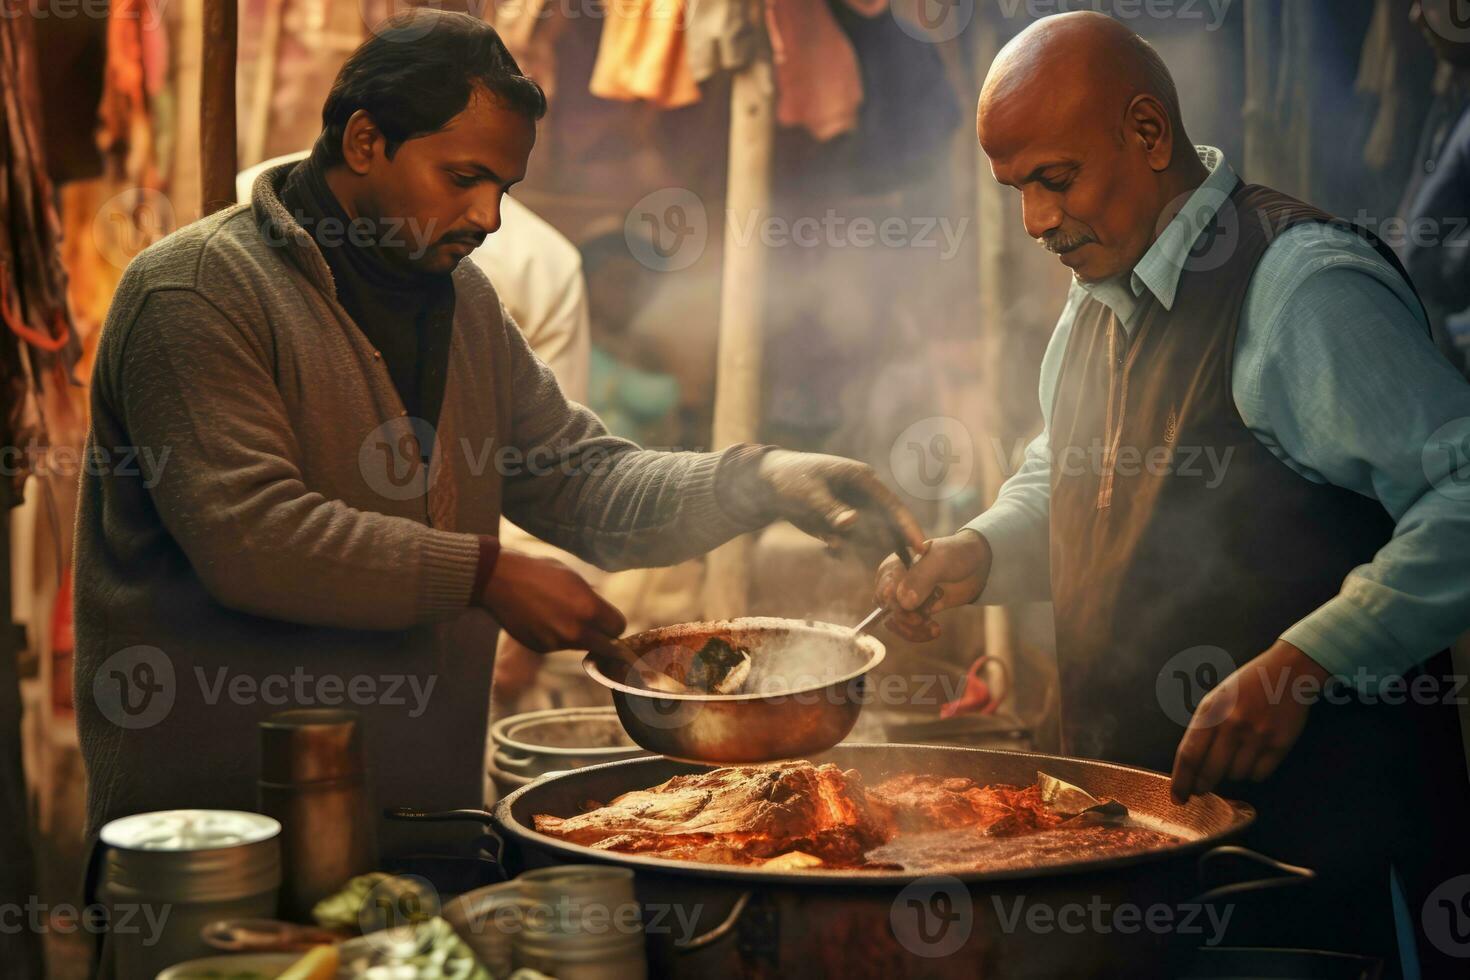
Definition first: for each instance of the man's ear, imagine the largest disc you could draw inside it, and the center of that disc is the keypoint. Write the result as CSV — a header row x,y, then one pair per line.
x,y
362,142
1147,122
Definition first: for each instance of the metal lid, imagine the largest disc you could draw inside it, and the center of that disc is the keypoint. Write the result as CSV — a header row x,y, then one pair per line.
x,y
193,855
310,745
188,830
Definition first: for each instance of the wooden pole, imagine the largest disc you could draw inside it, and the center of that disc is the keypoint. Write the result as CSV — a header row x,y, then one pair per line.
x,y
218,159
1259,62
265,82
998,263
742,302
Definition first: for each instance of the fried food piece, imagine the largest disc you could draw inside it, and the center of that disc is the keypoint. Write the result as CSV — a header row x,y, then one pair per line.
x,y
737,815
926,803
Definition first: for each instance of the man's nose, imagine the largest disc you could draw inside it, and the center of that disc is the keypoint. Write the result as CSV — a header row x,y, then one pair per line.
x,y
1039,213
484,214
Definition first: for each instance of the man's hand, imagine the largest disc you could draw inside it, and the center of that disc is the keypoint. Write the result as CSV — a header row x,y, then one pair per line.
x,y
547,606
826,495
958,564
1245,726
516,669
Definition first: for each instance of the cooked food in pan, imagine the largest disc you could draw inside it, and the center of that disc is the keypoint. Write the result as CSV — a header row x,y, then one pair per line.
x,y
797,816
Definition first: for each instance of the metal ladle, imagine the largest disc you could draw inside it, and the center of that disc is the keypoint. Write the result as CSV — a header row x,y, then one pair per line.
x,y
901,548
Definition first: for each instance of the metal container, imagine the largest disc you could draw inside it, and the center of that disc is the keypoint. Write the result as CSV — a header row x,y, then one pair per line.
x,y
528,746
580,922
313,780
803,696
750,921
574,922
170,873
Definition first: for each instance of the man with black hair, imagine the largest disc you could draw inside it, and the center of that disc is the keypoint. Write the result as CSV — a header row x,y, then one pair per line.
x,y
333,411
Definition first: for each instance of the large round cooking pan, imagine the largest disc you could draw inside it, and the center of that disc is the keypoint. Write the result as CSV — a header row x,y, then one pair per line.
x,y
1201,823
804,693
853,923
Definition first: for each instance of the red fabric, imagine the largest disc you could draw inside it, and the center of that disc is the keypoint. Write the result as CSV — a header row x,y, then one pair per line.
x,y
978,694
489,555
817,83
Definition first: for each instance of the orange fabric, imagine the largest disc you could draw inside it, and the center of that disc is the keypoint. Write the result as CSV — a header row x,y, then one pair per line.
x,y
641,54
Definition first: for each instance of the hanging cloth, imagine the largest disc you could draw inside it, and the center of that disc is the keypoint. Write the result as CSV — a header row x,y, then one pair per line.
x,y
641,55
530,30
818,87
38,337
720,36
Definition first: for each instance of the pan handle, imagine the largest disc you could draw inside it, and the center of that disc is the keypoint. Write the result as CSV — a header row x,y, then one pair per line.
x,y
466,814
720,931
1286,876
491,839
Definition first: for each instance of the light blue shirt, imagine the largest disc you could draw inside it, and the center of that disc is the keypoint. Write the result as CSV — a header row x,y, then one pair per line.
x,y
1336,375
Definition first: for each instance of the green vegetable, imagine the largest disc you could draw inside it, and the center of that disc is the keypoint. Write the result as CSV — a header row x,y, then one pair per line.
x,y
436,953
376,901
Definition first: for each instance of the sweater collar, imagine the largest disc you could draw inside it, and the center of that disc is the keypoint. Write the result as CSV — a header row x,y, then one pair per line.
x,y
352,247
281,229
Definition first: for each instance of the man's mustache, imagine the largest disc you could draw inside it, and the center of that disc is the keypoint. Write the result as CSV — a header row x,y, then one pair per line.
x,y
463,238
1060,243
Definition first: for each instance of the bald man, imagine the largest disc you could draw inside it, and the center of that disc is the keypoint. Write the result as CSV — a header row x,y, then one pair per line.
x,y
1246,484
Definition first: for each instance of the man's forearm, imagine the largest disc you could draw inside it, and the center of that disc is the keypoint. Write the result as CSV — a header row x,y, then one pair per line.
x,y
1017,528
639,508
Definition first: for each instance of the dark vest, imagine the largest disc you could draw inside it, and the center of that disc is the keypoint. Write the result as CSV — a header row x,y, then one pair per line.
x,y
1172,527
1181,548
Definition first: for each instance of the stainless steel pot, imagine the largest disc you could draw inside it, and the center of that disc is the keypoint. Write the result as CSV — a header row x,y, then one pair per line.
x,y
805,690
528,746
1011,924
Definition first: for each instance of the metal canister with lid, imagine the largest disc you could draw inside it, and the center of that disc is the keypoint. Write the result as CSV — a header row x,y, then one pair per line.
x,y
171,872
313,780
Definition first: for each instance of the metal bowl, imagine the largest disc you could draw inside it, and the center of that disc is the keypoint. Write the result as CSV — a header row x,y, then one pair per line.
x,y
805,690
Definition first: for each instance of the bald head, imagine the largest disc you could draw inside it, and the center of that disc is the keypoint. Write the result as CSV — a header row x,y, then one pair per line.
x,y
1082,116
1086,64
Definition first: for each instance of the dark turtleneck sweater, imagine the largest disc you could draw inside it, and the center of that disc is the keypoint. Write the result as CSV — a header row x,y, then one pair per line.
x,y
407,315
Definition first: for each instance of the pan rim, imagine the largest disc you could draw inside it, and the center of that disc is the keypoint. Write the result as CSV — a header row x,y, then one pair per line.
x,y
506,822
872,645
